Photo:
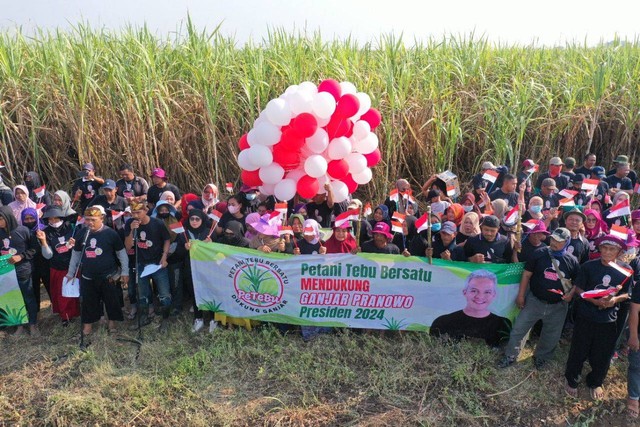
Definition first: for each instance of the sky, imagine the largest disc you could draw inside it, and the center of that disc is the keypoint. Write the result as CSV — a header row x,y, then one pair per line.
x,y
542,22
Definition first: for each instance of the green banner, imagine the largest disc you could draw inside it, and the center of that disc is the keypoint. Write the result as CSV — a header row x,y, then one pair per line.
x,y
12,309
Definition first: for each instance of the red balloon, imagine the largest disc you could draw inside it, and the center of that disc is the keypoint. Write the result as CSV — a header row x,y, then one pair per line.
x,y
288,159
291,140
243,143
337,127
338,169
251,178
347,106
331,86
373,158
308,187
373,117
352,186
305,125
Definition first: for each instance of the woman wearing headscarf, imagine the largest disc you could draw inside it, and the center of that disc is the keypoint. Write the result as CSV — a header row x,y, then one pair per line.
x,y
186,199
296,221
500,208
32,182
16,242
56,243
469,227
454,213
594,228
341,240
380,214
62,200
40,275
409,231
468,202
21,202
624,220
209,198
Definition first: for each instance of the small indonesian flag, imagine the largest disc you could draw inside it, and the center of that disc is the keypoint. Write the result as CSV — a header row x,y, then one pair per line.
x,y
40,191
491,175
285,229
555,291
530,224
397,216
275,218
422,223
367,209
80,220
40,206
619,231
599,293
567,202
621,209
636,189
116,214
451,190
396,226
345,217
394,195
229,187
282,207
533,169
590,185
215,215
512,216
625,271
569,194
177,227
408,195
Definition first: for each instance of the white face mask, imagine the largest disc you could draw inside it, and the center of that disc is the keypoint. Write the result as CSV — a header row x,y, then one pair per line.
x,y
467,208
56,224
233,209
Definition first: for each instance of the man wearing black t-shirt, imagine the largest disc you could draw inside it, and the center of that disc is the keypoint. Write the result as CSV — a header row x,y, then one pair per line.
x,y
589,163
131,186
543,296
620,180
595,331
507,192
321,207
160,185
112,204
578,246
475,320
489,246
151,240
86,188
103,259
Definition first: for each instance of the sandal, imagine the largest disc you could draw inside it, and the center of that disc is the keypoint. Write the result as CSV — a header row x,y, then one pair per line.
x,y
596,393
633,409
571,391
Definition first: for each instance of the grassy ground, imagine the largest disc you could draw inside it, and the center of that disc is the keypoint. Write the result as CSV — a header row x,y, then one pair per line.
x,y
235,377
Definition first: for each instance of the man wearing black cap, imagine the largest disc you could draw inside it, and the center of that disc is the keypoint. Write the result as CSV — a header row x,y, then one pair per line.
x,y
581,198
595,332
589,163
624,159
85,189
489,246
544,294
438,206
112,204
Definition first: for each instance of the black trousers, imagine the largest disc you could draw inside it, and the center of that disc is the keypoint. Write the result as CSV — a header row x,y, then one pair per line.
x,y
95,293
594,342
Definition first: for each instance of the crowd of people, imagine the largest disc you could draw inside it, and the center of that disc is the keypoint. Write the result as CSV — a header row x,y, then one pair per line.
x,y
574,228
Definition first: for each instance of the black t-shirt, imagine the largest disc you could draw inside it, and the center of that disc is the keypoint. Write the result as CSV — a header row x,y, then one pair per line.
x,y
99,259
119,205
527,250
154,193
226,217
307,248
623,183
594,275
579,248
439,247
601,191
584,171
633,176
58,239
134,188
89,191
562,181
492,329
419,244
151,238
19,242
498,252
545,276
321,213
370,248
510,198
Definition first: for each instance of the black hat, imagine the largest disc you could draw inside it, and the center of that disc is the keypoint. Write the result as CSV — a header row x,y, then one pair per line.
x,y
491,221
53,212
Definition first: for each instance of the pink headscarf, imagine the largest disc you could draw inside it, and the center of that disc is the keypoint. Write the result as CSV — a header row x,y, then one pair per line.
x,y
599,228
17,207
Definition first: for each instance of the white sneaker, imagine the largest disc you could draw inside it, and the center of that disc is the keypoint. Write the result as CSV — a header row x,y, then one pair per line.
x,y
197,325
213,326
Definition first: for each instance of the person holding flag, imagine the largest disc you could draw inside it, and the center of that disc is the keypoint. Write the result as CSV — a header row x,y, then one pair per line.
x,y
209,197
487,176
37,191
620,212
594,228
85,188
595,331
535,235
601,192
635,222
401,199
443,246
529,167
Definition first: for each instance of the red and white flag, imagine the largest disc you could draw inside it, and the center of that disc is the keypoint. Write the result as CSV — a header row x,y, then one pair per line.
x,y
400,217
491,175
530,224
555,291
275,218
533,169
451,190
40,206
422,223
177,227
215,215
512,216
367,209
394,195
396,226
40,191
116,214
636,189
285,229
408,195
599,293
590,185
229,187
621,209
282,207
625,271
80,220
619,231
567,202
569,194
345,217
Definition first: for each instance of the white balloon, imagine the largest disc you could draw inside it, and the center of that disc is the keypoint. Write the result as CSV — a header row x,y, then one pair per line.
x,y
315,166
323,122
300,102
264,133
285,189
318,142
323,105
291,89
367,145
356,161
271,174
348,87
339,148
361,129
365,103
339,191
309,87
363,177
244,160
266,189
278,112
321,181
260,155
295,176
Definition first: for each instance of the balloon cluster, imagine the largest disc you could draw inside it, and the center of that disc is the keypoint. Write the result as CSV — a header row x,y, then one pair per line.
x,y
309,136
